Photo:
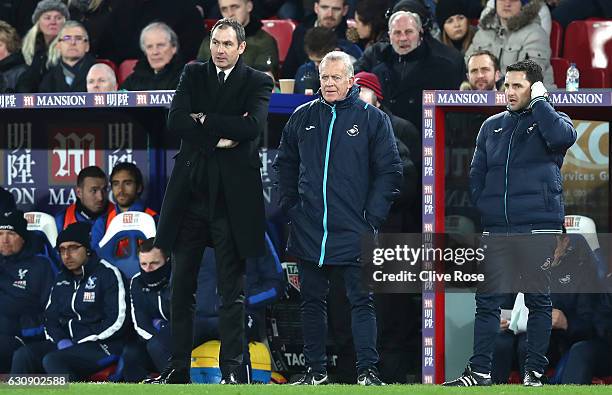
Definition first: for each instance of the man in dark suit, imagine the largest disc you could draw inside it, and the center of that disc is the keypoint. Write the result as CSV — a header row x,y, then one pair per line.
x,y
214,196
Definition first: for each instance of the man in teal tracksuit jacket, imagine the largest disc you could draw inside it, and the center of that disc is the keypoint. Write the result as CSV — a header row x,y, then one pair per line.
x,y
339,171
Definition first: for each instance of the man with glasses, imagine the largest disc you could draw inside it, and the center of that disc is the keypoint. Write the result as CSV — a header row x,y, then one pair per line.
x,y
338,173
214,196
91,199
69,60
25,283
85,316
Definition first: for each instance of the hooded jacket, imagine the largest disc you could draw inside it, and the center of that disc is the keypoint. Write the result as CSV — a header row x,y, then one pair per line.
x,y
515,175
339,171
88,307
523,38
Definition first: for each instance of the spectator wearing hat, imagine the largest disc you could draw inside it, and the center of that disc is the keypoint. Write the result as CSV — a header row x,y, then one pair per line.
x,y
544,13
512,29
85,316
455,28
392,332
48,19
25,282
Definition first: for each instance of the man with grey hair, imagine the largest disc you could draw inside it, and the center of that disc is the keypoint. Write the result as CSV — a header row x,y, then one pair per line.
x,y
162,65
101,78
342,154
407,65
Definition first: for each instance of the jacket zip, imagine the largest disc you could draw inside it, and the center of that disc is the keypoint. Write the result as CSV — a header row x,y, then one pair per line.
x,y
76,287
506,176
325,169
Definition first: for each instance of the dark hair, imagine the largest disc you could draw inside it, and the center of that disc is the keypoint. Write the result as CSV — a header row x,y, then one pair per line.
x,y
320,40
234,24
532,70
481,52
90,171
372,12
466,41
148,245
130,168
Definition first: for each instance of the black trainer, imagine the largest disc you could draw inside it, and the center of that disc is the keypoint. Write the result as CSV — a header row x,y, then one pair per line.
x,y
312,378
171,375
534,379
469,379
230,379
369,377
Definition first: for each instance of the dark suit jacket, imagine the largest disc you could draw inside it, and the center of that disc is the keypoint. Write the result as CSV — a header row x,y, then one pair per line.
x,y
245,91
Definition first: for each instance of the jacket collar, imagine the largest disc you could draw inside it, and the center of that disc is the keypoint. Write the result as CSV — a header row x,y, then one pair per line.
x,y
253,27
88,267
348,101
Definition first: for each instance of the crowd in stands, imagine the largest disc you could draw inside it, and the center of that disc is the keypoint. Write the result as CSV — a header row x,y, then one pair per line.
x,y
399,48
157,38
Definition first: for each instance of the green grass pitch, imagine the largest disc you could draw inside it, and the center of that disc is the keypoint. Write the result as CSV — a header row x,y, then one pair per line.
x,y
200,389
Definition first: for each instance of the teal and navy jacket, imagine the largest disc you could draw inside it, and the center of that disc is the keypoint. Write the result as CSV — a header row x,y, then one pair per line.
x,y
338,173
515,175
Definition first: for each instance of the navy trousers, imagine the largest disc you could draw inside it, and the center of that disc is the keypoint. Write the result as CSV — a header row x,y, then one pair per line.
x,y
514,263
314,288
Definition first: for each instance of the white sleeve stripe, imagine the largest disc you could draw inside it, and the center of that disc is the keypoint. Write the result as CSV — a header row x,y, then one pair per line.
x,y
144,334
108,332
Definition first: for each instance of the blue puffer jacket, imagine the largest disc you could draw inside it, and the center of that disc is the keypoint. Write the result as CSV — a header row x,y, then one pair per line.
x,y
515,175
338,171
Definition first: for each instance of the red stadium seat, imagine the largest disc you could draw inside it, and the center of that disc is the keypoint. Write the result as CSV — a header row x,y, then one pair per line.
x,y
560,66
125,69
589,45
108,62
209,23
594,78
281,30
556,39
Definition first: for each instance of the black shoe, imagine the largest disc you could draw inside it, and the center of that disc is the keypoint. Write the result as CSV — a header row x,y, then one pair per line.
x,y
369,377
230,379
533,379
469,379
171,375
312,378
